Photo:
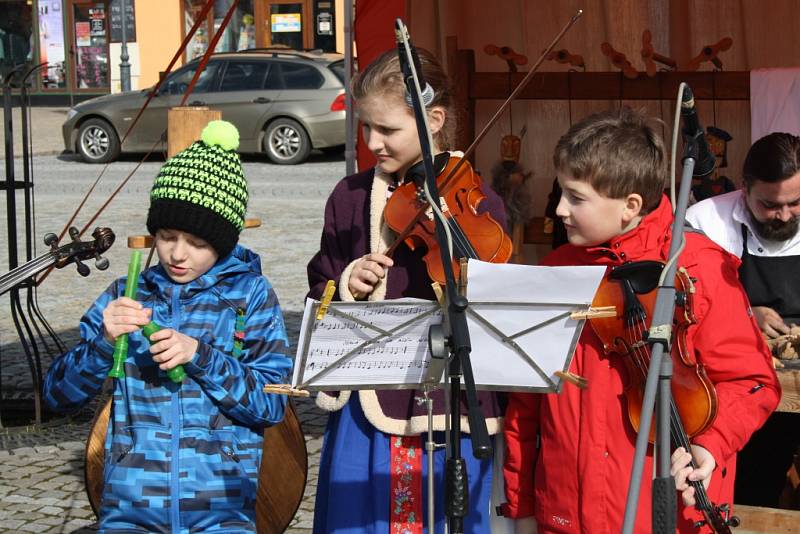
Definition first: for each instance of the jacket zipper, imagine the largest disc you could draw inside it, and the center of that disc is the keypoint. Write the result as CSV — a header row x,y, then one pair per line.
x,y
176,428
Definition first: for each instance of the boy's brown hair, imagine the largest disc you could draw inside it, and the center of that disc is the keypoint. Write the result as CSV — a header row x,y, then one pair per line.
x,y
618,152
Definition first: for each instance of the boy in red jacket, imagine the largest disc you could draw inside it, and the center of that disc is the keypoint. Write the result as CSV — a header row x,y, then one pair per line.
x,y
570,455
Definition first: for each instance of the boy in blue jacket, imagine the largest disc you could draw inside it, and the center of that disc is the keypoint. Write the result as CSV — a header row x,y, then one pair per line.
x,y
185,457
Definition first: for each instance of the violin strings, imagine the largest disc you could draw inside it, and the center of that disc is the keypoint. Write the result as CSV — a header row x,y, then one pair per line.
x,y
17,274
679,436
461,238
682,440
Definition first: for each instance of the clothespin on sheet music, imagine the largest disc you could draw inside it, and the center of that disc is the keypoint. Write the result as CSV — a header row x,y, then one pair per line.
x,y
594,313
325,301
437,290
573,379
286,389
462,276
588,313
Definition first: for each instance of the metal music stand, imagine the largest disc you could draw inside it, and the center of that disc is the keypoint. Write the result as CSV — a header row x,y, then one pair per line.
x,y
385,344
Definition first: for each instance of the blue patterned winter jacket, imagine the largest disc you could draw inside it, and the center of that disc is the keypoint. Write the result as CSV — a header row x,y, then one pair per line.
x,y
184,458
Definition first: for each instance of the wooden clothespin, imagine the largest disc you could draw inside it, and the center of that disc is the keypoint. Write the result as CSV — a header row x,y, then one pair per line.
x,y
594,313
437,290
286,389
462,276
573,379
325,301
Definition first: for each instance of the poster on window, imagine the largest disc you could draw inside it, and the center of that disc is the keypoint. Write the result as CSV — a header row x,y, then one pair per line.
x,y
51,43
82,34
286,22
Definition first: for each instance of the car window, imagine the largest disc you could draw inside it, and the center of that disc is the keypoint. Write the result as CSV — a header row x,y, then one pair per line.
x,y
178,82
274,80
297,76
338,69
244,76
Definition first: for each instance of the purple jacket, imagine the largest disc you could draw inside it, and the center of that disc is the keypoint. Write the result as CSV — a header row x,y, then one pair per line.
x,y
345,238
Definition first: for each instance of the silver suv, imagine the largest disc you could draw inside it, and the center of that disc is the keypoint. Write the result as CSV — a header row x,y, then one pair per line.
x,y
283,103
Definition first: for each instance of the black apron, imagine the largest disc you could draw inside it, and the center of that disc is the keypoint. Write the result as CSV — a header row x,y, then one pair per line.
x,y
772,281
762,464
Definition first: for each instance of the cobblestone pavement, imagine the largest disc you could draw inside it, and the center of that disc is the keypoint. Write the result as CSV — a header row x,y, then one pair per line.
x,y
41,466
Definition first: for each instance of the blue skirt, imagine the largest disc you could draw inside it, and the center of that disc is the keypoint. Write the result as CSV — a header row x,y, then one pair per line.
x,y
353,490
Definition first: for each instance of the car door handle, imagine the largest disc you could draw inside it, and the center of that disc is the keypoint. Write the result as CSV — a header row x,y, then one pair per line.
x,y
262,100
197,103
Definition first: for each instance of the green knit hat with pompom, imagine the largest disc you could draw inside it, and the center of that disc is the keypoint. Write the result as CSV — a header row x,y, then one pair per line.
x,y
202,190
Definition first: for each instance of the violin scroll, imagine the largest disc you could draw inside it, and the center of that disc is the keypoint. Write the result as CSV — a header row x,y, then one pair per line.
x,y
78,251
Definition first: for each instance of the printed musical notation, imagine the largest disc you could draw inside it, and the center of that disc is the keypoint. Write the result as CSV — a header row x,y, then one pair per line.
x,y
358,345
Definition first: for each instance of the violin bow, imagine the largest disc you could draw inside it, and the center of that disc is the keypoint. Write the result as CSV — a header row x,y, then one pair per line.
x,y
200,19
468,152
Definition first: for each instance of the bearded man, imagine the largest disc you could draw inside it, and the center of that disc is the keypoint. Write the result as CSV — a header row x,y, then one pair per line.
x,y
759,224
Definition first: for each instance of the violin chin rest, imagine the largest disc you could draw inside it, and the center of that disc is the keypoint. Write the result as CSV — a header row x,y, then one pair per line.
x,y
417,171
642,275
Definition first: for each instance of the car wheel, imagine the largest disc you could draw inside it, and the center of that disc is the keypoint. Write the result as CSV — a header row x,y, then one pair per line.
x,y
286,142
97,141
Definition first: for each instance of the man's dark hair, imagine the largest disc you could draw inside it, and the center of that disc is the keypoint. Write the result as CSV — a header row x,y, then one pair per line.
x,y
773,158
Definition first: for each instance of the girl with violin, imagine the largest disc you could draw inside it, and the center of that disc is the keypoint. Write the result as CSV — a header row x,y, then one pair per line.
x,y
570,456
372,466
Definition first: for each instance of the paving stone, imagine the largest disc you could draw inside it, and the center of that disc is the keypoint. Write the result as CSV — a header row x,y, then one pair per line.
x,y
35,527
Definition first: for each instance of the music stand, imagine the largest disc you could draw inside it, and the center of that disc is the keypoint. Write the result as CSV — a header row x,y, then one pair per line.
x,y
384,344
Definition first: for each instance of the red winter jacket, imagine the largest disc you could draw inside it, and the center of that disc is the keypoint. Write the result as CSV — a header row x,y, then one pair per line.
x,y
575,478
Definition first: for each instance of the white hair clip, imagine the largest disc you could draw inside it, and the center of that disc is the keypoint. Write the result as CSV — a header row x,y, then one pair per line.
x,y
427,96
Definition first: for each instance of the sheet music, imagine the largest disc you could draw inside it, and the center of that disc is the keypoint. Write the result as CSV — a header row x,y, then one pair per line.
x,y
521,297
390,354
518,319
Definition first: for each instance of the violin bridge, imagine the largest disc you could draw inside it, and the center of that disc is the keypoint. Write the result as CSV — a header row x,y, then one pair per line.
x,y
442,203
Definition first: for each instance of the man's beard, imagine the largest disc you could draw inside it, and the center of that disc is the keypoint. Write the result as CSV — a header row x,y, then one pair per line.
x,y
774,229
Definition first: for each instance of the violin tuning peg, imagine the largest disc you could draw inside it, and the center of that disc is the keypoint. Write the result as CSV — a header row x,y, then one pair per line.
x,y
83,270
50,239
74,233
101,263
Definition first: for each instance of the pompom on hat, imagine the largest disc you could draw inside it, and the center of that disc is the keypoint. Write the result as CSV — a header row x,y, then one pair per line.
x,y
202,190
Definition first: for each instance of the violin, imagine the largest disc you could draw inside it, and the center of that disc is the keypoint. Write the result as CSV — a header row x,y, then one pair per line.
x,y
631,288
474,235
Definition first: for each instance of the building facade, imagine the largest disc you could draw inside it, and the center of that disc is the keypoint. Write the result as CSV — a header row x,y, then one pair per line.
x,y
81,40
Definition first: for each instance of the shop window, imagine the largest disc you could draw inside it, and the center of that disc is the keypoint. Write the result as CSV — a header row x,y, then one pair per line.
x,y
286,25
51,44
240,34
90,27
16,35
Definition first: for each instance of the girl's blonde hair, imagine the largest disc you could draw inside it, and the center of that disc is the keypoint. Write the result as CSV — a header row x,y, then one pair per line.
x,y
383,78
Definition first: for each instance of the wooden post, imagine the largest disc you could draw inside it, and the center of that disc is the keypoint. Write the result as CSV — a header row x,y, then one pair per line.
x,y
184,125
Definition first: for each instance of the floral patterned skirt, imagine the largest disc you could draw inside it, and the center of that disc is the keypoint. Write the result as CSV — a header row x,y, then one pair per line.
x,y
354,489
